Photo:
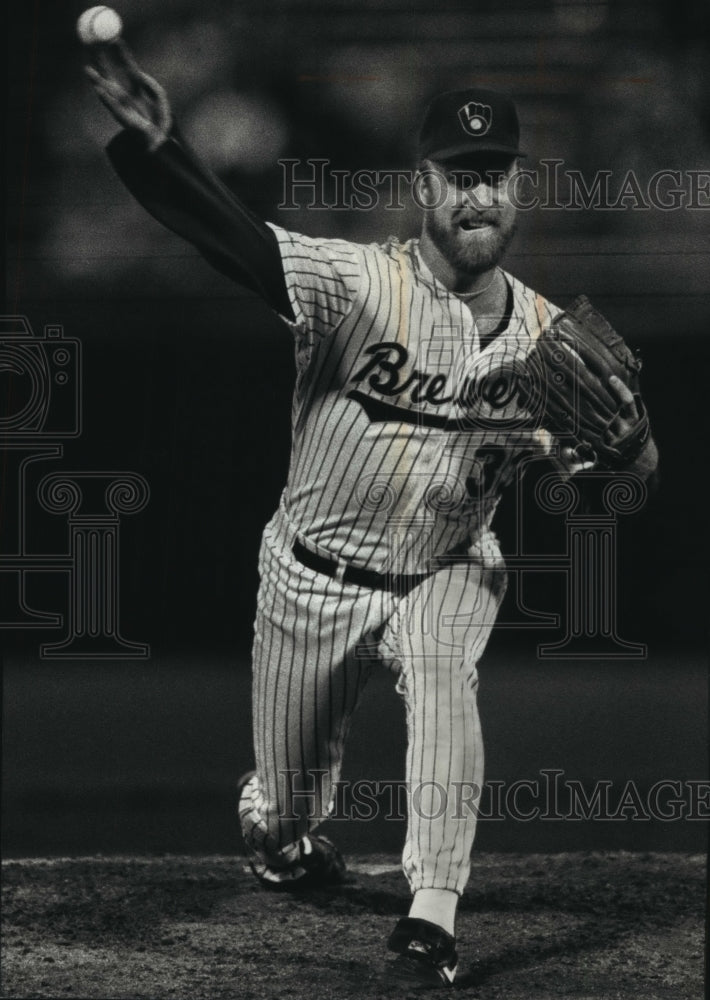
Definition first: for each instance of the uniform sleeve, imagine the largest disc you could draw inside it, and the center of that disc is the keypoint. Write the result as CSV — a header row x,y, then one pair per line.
x,y
179,190
322,278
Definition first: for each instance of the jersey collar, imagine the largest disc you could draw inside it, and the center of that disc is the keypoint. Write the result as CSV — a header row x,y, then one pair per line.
x,y
425,273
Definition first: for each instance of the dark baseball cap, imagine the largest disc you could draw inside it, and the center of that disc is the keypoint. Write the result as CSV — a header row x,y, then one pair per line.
x,y
462,122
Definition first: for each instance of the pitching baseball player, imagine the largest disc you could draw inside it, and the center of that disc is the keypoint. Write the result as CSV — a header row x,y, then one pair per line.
x,y
414,405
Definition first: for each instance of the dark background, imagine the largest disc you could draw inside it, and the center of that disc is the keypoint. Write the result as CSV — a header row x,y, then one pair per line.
x,y
187,380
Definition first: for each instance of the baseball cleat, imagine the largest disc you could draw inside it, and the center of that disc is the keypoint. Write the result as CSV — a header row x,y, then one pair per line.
x,y
426,954
317,865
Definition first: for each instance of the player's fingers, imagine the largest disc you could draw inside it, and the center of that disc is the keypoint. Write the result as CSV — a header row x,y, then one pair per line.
x,y
109,86
102,89
617,429
126,58
102,61
155,100
109,102
121,106
115,98
565,367
110,62
151,88
117,92
95,66
151,85
624,395
621,389
118,109
164,111
573,459
93,75
138,79
123,63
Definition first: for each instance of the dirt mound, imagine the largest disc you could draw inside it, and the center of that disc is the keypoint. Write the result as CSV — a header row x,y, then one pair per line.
x,y
530,926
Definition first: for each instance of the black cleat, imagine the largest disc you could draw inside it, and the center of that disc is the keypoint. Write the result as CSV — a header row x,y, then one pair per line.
x,y
426,954
319,866
319,863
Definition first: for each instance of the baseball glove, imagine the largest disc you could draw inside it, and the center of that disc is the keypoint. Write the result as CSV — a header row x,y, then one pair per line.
x,y
573,388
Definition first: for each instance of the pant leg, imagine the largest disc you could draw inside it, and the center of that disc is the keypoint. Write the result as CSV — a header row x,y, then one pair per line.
x,y
439,632
308,675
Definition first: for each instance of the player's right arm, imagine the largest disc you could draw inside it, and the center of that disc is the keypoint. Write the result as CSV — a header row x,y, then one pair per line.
x,y
159,169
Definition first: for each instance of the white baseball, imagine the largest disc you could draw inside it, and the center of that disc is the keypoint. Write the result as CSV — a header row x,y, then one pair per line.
x,y
99,25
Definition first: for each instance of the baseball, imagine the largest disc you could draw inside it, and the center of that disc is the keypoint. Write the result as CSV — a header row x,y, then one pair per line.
x,y
99,25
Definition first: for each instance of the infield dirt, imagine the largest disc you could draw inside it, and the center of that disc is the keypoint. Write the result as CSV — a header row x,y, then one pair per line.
x,y
581,926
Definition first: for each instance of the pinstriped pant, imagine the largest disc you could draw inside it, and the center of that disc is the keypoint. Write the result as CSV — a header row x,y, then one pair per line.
x,y
316,642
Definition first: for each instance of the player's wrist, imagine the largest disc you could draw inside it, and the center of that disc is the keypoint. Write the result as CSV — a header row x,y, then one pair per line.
x,y
646,462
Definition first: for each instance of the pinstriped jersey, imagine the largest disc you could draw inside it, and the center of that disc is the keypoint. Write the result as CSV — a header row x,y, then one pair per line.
x,y
405,426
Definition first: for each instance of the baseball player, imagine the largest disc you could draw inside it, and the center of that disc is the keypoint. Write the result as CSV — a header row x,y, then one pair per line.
x,y
411,412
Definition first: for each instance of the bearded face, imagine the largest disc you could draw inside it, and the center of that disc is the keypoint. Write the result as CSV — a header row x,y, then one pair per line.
x,y
467,211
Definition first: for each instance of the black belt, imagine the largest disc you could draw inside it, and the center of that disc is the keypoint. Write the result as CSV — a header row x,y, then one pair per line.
x,y
401,583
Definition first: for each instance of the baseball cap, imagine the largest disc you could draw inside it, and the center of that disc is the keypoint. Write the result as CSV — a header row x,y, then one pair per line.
x,y
471,121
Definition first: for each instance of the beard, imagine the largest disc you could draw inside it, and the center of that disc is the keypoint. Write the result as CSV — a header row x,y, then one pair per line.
x,y
471,251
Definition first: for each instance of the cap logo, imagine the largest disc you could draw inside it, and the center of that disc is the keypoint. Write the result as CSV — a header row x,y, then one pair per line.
x,y
476,118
